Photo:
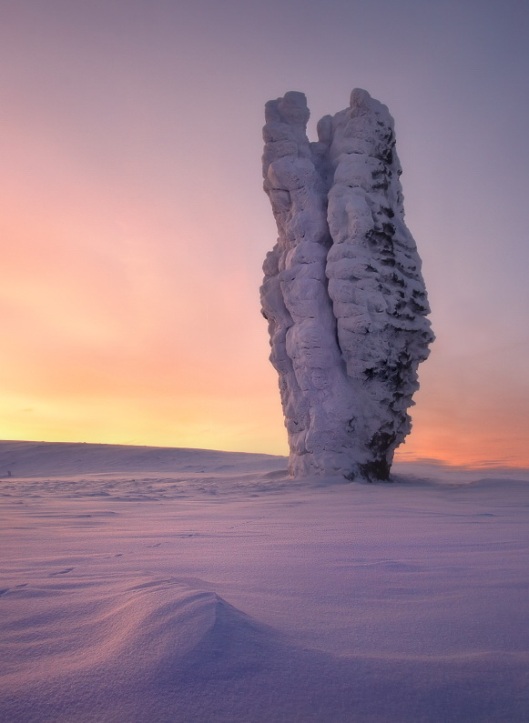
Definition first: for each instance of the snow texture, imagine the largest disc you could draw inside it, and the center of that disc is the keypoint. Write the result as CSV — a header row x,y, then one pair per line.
x,y
343,292
186,586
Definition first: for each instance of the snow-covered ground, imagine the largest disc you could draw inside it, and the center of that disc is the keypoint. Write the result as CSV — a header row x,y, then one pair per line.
x,y
142,584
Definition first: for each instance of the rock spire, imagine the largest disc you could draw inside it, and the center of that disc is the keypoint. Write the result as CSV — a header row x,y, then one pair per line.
x,y
343,292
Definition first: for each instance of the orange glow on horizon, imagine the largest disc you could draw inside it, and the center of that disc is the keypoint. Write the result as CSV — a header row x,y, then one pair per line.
x,y
448,447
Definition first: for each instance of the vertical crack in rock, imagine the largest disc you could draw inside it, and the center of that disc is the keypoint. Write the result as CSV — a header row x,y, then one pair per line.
x,y
343,292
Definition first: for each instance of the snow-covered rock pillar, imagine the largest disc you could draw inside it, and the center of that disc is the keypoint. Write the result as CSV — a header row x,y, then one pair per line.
x,y
343,292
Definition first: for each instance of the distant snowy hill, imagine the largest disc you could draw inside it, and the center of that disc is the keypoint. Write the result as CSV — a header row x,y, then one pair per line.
x,y
37,459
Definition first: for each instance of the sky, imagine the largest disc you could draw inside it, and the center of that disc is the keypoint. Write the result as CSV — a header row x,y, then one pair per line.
x,y
133,224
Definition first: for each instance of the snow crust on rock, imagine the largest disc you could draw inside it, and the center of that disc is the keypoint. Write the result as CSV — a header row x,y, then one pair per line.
x,y
343,292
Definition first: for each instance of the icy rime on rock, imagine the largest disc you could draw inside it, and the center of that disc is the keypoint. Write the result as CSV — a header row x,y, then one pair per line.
x,y
343,293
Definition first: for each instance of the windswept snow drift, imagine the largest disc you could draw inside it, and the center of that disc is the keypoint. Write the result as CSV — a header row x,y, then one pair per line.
x,y
185,585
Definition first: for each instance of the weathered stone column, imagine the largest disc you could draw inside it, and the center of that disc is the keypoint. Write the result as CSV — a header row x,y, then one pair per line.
x,y
343,292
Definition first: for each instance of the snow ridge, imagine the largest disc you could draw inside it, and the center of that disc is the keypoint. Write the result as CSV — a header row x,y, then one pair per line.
x,y
343,292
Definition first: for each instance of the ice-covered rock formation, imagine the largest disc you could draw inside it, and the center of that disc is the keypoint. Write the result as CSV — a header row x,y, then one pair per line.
x,y
343,293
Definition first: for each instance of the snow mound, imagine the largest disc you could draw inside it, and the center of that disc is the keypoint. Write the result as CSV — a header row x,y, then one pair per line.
x,y
120,641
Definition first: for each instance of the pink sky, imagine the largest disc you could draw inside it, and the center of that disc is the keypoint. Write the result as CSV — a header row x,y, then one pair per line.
x,y
134,226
